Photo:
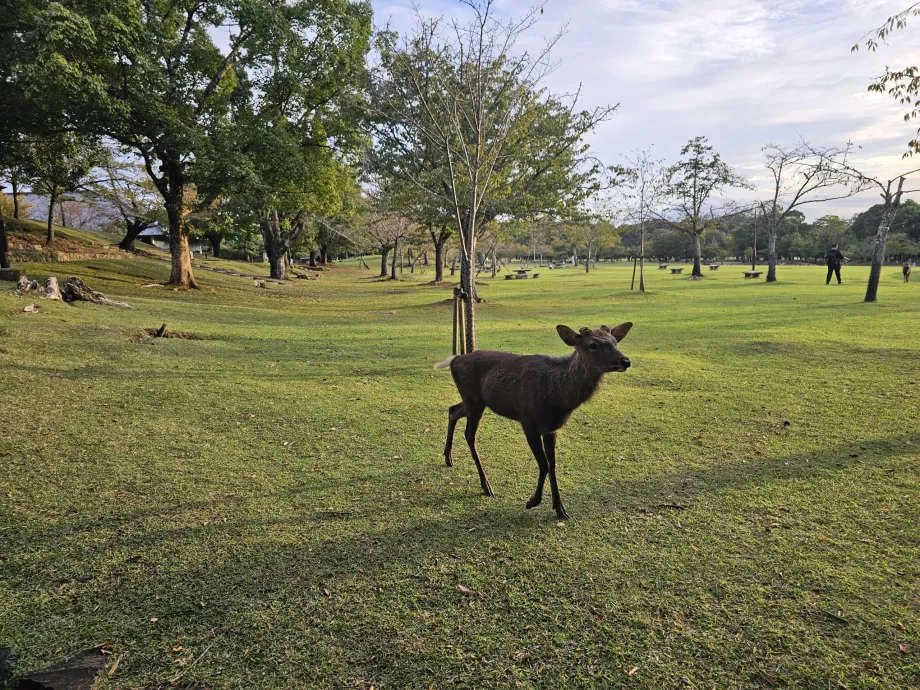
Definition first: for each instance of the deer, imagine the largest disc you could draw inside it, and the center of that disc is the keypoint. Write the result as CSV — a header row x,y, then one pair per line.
x,y
538,391
905,269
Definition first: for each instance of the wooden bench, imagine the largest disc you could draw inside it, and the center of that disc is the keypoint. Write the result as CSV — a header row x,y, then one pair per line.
x,y
677,270
509,277
753,274
713,267
661,267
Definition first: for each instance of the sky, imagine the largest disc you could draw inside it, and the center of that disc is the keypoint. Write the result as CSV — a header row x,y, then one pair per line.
x,y
742,72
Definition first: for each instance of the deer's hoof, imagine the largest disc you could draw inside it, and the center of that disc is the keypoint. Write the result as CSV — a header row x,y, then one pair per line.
x,y
487,491
534,502
449,461
561,512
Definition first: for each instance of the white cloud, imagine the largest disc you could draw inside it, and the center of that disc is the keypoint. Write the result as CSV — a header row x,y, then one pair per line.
x,y
743,72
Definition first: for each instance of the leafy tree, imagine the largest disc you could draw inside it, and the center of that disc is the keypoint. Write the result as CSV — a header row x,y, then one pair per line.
x,y
499,143
907,221
151,76
690,184
61,163
127,190
903,84
593,235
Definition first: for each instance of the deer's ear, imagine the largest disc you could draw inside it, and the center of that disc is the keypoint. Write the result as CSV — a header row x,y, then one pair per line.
x,y
619,332
569,337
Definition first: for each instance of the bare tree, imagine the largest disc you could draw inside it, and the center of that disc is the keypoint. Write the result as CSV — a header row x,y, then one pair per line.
x,y
641,185
129,192
385,230
465,92
803,174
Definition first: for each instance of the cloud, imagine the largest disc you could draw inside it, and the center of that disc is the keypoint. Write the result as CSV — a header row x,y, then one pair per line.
x,y
743,72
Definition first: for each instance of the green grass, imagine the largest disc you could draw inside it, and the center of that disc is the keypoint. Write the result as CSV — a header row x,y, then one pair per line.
x,y
274,494
39,230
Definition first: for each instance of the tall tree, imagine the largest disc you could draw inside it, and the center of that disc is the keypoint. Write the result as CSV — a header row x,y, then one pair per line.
x,y
800,175
465,93
61,163
641,184
691,184
128,191
152,76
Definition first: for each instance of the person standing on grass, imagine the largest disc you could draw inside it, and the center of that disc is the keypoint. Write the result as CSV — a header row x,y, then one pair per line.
x,y
834,258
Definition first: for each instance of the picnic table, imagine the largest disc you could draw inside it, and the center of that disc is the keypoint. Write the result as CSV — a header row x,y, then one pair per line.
x,y
661,267
753,274
677,270
521,273
713,267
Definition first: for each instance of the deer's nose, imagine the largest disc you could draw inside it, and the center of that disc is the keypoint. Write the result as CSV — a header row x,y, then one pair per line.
x,y
626,362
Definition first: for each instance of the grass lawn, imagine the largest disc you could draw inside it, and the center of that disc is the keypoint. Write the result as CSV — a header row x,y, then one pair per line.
x,y
267,507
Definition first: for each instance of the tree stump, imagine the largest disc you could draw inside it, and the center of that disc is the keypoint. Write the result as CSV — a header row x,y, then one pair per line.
x,y
75,290
25,285
52,290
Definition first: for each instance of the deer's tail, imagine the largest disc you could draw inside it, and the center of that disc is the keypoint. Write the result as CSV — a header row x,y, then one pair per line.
x,y
445,364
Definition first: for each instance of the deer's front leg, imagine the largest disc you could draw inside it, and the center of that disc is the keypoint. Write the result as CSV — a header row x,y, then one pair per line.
x,y
549,444
536,446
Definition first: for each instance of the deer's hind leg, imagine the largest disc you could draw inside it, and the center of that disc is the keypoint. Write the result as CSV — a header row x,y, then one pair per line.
x,y
455,414
473,417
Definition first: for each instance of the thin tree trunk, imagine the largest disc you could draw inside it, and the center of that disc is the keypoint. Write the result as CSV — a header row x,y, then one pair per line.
x,y
396,253
14,183
439,258
384,253
324,254
878,255
697,256
642,260
63,218
771,253
4,243
466,284
49,240
588,259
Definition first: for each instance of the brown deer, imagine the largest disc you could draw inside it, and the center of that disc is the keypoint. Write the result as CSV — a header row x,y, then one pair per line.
x,y
539,391
905,269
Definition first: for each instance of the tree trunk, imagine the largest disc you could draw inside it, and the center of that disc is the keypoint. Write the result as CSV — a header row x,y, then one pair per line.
x,y
878,255
135,228
4,244
274,246
49,240
468,280
697,258
771,253
396,253
425,259
642,260
14,183
439,259
215,239
588,260
384,253
63,218
324,254
181,275
453,265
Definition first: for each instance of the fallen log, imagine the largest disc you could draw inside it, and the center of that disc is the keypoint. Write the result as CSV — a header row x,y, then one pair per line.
x,y
75,290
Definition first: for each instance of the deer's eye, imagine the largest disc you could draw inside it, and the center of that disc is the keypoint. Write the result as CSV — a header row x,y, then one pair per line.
x,y
592,346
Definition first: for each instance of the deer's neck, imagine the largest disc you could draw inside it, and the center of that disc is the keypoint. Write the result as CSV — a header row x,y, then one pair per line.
x,y
581,381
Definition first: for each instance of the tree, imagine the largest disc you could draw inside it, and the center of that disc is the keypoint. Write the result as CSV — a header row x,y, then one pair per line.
x,y
907,220
128,191
591,234
60,163
641,184
385,230
500,143
152,77
901,84
802,174
689,185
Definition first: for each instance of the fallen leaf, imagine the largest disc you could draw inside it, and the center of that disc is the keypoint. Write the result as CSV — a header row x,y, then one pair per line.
x,y
154,620
869,664
327,592
693,547
771,681
465,590
30,309
528,627
114,667
901,626
903,648
632,671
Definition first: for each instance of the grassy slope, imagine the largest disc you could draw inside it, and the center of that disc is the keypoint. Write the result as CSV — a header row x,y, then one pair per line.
x,y
274,495
39,230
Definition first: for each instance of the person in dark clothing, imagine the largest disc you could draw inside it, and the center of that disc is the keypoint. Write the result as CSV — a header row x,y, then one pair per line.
x,y
834,258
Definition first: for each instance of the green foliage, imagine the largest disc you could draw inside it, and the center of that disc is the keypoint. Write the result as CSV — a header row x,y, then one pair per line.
x,y
906,221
